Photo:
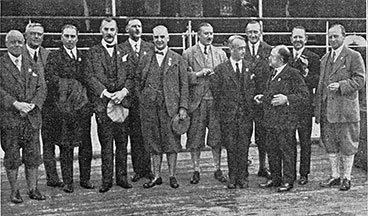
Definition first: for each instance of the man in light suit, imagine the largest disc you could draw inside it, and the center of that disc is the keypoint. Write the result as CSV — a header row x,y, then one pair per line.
x,y
285,92
133,50
257,52
67,112
201,59
107,78
307,62
162,85
233,88
337,106
22,93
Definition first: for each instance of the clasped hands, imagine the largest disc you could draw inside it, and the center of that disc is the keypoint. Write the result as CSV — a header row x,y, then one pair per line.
x,y
117,96
333,86
205,72
277,100
24,107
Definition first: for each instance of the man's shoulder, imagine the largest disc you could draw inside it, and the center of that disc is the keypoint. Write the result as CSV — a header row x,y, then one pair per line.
x,y
309,53
193,48
265,45
96,48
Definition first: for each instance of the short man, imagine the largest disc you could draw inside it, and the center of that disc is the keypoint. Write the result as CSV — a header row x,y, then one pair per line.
x,y
285,92
201,59
134,48
33,50
257,52
107,78
67,113
307,62
22,93
337,105
233,88
163,92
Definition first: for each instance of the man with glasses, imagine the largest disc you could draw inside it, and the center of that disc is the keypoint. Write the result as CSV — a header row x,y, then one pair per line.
x,y
108,81
22,93
67,113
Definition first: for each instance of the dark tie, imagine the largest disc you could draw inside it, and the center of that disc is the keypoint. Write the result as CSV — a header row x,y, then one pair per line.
x,y
73,56
205,50
35,58
253,50
274,72
333,57
237,71
159,53
136,49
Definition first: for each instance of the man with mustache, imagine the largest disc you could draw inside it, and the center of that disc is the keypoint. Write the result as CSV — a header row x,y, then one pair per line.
x,y
133,50
307,62
337,106
22,93
162,85
108,80
201,59
67,113
257,52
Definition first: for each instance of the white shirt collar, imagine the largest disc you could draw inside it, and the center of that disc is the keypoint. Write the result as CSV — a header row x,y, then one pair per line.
x,y
32,51
201,46
256,46
103,42
298,53
74,50
13,58
133,43
164,51
233,63
337,51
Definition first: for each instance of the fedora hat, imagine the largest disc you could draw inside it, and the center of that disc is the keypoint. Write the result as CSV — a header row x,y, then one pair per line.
x,y
180,126
117,112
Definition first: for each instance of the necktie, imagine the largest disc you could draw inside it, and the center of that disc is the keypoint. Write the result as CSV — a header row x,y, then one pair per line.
x,y
253,50
237,71
35,58
333,57
136,48
205,50
17,63
274,72
73,56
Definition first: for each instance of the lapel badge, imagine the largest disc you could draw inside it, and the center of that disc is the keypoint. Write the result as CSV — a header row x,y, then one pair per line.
x,y
79,59
279,79
118,52
252,76
169,63
124,58
144,53
34,74
257,56
30,70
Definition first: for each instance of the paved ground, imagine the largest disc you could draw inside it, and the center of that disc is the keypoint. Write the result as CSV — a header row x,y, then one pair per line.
x,y
209,197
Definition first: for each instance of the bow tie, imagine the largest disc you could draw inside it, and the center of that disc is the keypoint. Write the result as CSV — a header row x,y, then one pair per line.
x,y
159,53
110,46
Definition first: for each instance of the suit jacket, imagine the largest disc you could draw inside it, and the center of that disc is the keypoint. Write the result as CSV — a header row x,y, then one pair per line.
x,y
42,58
95,75
312,76
259,65
288,82
228,94
348,70
61,73
25,86
175,80
198,86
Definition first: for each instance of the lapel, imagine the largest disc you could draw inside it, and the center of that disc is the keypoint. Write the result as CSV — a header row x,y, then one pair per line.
x,y
168,61
100,52
10,66
245,72
43,56
147,63
144,49
281,73
323,66
198,55
231,73
340,60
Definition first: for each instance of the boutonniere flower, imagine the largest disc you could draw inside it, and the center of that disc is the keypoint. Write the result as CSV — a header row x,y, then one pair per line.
x,y
34,74
79,59
257,56
279,79
118,52
144,53
169,62
246,69
30,70
252,76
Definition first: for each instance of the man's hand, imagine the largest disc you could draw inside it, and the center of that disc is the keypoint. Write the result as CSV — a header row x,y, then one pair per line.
x,y
118,96
107,94
258,98
182,113
333,86
204,72
24,107
279,100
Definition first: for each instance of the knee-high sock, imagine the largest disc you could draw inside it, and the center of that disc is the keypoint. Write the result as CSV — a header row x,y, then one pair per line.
x,y
216,153
347,161
12,177
156,162
335,165
171,162
196,155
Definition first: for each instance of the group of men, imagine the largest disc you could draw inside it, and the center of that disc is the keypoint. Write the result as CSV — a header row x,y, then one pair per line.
x,y
272,89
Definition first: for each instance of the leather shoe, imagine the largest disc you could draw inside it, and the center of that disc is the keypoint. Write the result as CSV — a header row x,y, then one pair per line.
x,y
173,182
196,177
104,188
55,184
264,173
136,177
303,180
330,182
231,186
243,184
68,188
220,176
124,183
87,185
285,187
345,184
36,194
268,184
153,182
15,197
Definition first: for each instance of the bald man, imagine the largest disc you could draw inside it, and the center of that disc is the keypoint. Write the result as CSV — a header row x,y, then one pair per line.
x,y
22,93
163,92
